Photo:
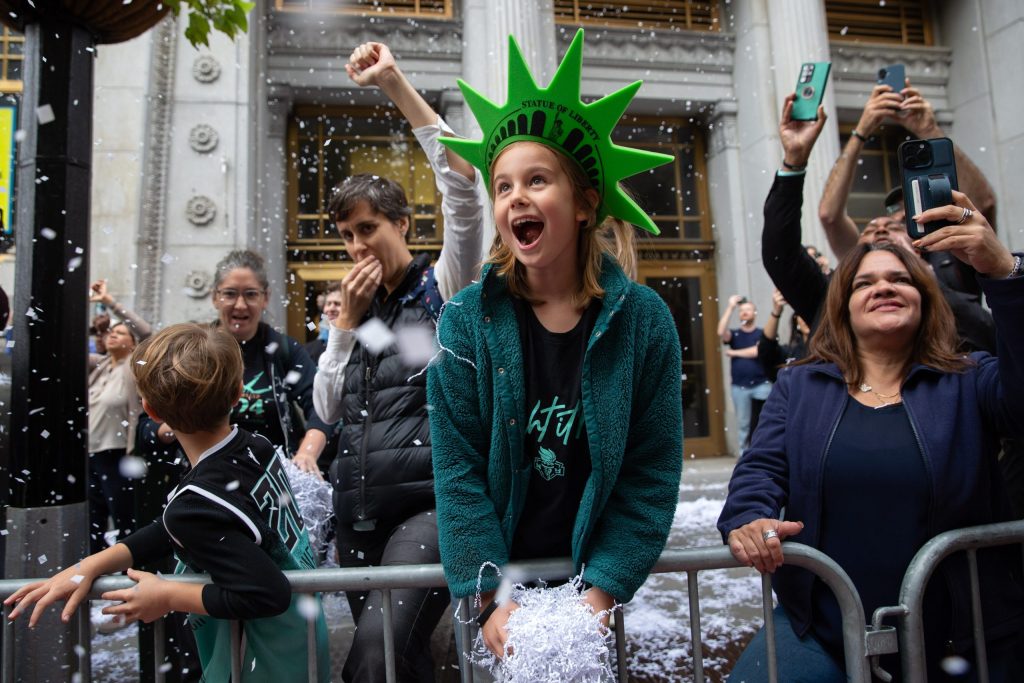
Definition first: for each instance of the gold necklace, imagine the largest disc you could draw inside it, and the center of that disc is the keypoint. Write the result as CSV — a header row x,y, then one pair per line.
x,y
867,388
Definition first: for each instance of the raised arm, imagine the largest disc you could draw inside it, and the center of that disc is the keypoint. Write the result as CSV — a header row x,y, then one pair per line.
x,y
840,229
723,323
99,293
373,64
919,119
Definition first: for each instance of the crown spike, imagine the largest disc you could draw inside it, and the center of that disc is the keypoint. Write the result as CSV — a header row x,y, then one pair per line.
x,y
556,116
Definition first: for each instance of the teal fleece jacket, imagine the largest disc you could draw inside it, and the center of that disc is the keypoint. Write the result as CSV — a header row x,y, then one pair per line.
x,y
632,382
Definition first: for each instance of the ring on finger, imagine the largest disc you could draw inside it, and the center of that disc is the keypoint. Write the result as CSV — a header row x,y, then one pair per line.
x,y
965,216
771,533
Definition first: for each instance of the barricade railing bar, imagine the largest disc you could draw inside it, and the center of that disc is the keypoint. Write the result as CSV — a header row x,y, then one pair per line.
x,y
910,609
690,561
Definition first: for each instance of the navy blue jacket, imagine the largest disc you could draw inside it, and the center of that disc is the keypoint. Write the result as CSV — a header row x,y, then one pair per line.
x,y
957,419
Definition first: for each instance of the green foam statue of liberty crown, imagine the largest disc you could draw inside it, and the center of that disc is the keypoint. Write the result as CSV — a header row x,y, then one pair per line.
x,y
556,116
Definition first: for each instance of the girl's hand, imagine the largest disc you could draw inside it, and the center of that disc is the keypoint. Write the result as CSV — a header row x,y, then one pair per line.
x,y
973,241
749,545
71,585
147,601
495,630
600,602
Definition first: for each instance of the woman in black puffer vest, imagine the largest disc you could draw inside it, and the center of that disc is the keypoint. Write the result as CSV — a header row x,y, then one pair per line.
x,y
375,383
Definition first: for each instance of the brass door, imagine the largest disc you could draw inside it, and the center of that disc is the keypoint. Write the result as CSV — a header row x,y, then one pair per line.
x,y
689,289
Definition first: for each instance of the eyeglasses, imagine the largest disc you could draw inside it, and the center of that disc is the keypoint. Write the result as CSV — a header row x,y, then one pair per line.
x,y
230,296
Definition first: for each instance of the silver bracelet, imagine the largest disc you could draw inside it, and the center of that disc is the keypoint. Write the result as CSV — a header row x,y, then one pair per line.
x,y
1018,267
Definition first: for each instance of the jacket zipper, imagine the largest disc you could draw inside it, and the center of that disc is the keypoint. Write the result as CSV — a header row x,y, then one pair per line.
x,y
367,420
821,467
280,409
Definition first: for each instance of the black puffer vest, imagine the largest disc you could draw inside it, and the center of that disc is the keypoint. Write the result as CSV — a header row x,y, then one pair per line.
x,y
383,471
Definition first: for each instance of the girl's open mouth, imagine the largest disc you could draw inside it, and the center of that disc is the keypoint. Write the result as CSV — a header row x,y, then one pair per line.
x,y
527,230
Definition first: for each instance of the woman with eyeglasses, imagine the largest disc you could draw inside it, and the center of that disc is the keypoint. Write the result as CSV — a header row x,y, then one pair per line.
x,y
278,371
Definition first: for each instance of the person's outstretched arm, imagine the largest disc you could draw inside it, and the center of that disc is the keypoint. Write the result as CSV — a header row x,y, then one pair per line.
x,y
467,232
840,229
791,268
373,64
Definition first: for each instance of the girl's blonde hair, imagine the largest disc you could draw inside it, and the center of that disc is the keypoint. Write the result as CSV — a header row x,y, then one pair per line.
x,y
612,236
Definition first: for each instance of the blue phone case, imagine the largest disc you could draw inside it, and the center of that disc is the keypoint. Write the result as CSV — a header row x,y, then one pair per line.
x,y
929,177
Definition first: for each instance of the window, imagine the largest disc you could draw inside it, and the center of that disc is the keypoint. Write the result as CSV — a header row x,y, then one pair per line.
x,y
907,22
326,146
430,9
674,194
685,14
12,49
877,172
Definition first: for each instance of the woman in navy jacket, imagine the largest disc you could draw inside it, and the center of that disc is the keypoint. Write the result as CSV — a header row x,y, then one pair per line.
x,y
882,439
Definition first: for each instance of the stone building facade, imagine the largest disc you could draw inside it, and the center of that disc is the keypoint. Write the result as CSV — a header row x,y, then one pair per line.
x,y
202,151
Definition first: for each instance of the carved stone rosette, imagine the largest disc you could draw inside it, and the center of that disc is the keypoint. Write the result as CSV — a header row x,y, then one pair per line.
x,y
203,138
206,69
200,210
198,283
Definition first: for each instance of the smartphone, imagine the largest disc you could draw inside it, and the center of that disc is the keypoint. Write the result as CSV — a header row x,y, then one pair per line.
x,y
928,172
810,88
894,76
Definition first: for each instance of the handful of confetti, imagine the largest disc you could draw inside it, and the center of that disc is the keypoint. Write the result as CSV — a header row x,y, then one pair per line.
x,y
553,637
313,498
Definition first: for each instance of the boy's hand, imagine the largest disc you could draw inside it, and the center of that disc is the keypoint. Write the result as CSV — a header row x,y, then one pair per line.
x,y
71,585
369,63
147,601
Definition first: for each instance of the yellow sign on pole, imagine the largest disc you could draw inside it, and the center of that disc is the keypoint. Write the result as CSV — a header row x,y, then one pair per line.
x,y
8,126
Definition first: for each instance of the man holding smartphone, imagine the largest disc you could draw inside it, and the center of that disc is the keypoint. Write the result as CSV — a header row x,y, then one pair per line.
x,y
915,113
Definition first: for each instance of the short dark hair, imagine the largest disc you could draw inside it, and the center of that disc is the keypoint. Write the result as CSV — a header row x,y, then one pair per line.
x,y
383,195
241,258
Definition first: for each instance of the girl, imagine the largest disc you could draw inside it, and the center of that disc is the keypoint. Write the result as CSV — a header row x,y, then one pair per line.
x,y
556,414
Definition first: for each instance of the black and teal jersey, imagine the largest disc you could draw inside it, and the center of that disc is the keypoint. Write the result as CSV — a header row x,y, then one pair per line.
x,y
234,518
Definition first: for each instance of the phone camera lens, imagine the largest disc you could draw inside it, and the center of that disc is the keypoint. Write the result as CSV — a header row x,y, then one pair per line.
x,y
882,73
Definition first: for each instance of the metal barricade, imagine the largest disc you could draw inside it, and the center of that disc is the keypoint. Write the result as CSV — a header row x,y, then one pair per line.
x,y
910,609
690,560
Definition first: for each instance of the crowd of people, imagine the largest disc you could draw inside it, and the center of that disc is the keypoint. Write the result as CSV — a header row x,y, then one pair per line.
x,y
548,422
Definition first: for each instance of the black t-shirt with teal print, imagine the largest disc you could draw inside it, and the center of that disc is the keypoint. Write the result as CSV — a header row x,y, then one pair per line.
x,y
256,411
555,443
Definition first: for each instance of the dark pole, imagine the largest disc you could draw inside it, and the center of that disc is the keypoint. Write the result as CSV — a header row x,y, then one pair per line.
x,y
47,512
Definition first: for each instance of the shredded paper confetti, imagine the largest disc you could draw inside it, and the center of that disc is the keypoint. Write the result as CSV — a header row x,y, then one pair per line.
x,y
554,637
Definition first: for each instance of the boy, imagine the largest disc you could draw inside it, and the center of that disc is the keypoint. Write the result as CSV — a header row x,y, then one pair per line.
x,y
231,517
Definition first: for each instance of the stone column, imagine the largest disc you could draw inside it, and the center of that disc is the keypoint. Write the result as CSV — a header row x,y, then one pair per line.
x,y
799,34
273,181
486,27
